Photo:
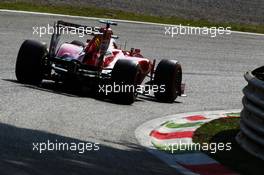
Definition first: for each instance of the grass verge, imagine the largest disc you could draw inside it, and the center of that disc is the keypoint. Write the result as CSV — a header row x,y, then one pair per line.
x,y
224,131
117,14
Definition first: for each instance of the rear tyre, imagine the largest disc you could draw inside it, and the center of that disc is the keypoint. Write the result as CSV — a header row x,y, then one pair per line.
x,y
29,63
124,75
168,77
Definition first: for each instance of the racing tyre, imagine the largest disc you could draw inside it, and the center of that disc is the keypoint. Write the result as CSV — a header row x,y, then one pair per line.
x,y
29,63
78,43
168,77
124,75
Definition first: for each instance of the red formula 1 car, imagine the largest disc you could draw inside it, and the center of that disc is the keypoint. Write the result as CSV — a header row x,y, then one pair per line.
x,y
99,64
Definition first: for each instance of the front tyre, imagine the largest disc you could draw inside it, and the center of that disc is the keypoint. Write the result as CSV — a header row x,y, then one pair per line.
x,y
168,77
78,43
29,63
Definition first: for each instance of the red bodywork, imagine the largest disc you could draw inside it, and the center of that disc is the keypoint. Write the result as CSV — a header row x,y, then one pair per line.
x,y
102,52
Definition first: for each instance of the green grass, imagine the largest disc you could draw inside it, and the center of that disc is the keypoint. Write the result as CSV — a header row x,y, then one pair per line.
x,y
117,14
224,131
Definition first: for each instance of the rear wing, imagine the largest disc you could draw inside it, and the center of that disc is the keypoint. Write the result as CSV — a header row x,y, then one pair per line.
x,y
88,30
61,26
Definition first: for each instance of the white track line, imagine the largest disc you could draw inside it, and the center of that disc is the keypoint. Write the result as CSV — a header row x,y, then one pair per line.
x,y
142,135
117,20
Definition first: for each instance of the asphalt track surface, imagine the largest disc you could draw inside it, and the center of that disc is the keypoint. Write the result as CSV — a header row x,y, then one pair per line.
x,y
213,73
